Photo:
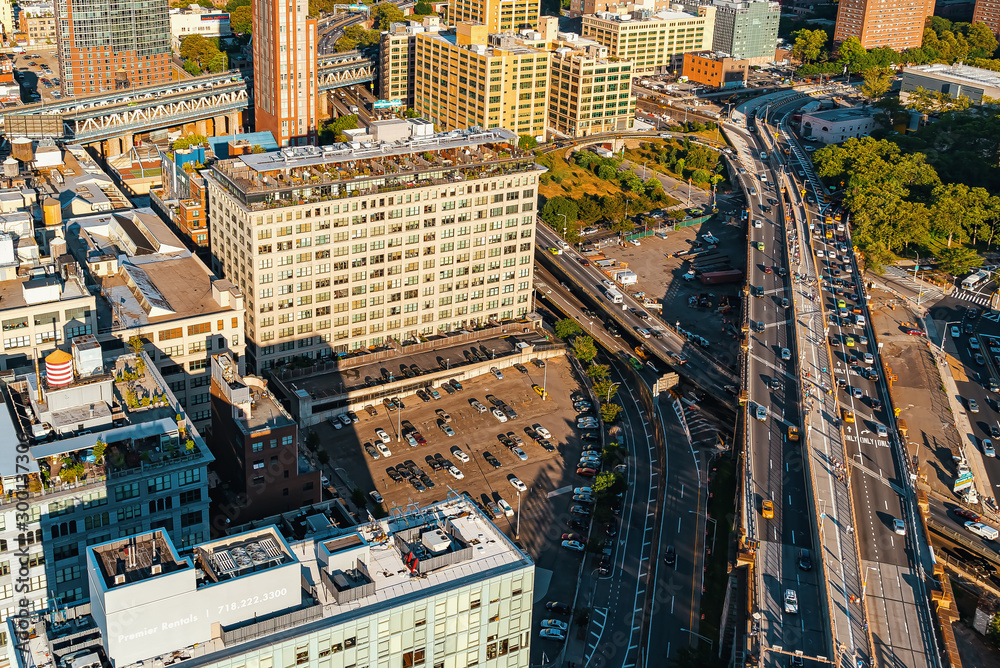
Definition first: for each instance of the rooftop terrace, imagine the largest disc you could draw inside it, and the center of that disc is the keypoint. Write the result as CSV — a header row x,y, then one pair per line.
x,y
297,175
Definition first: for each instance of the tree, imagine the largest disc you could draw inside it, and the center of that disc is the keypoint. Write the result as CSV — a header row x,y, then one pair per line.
x,y
566,328
959,260
584,349
588,210
99,448
333,129
604,481
609,412
241,20
808,44
218,63
411,113
559,213
877,82
192,68
614,208
598,371
233,5
312,440
422,8
527,142
189,141
853,55
605,389
385,14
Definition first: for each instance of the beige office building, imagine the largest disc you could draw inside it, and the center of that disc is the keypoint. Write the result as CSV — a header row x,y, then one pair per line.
x,y
401,234
590,93
497,15
655,43
397,58
469,78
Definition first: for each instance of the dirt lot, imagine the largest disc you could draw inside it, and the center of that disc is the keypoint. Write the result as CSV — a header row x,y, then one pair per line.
x,y
660,278
917,392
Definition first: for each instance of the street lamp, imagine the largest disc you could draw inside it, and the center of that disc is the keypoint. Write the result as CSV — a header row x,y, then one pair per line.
x,y
565,224
944,337
711,645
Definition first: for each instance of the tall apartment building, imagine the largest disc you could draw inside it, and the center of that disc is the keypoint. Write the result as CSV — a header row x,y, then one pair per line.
x,y
105,45
153,474
340,247
286,95
579,8
988,12
469,78
438,585
746,29
897,24
7,24
256,444
397,58
654,43
498,16
589,92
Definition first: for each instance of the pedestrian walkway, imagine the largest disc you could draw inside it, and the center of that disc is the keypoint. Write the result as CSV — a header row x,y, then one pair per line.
x,y
926,291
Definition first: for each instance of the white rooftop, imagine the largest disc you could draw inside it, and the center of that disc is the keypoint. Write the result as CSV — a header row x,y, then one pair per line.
x,y
975,75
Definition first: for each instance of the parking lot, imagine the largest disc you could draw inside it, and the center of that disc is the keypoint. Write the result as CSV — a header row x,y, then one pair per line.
x,y
714,311
548,475
35,78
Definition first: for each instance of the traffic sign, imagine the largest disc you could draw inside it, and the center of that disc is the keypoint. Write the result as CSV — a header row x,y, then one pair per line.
x,y
964,481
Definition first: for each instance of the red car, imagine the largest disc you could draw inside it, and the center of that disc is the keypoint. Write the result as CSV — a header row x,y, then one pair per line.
x,y
966,514
586,472
419,438
914,332
585,262
767,269
572,536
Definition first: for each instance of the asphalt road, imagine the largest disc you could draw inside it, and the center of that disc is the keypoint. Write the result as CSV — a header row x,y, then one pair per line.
x,y
894,561
776,462
699,366
673,602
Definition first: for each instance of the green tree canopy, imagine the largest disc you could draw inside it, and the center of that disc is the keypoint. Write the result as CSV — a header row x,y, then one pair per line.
x,y
527,142
584,349
423,8
189,141
553,211
241,20
959,260
333,129
566,328
877,82
609,412
808,44
385,14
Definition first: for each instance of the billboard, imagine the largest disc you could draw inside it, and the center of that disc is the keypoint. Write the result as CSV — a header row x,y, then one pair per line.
x,y
387,104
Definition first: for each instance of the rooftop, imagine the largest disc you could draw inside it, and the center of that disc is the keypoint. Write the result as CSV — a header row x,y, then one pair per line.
x,y
974,75
658,16
318,582
40,287
841,114
121,402
296,175
253,406
158,281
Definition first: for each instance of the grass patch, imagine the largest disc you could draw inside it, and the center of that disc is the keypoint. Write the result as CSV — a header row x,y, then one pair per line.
x,y
569,180
720,508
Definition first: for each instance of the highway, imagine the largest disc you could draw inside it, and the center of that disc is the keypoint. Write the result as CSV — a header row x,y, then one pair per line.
x,y
641,589
776,467
687,359
894,623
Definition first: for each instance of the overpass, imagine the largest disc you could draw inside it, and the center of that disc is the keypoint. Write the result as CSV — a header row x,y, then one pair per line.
x,y
209,104
344,69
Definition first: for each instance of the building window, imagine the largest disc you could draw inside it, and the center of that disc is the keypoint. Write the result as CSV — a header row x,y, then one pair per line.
x,y
159,484
129,491
188,477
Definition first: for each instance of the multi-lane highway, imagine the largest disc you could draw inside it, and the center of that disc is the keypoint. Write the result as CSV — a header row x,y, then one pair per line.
x,y
890,611
776,491
663,508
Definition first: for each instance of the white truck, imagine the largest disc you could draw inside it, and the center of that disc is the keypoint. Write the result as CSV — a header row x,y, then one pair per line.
x,y
614,296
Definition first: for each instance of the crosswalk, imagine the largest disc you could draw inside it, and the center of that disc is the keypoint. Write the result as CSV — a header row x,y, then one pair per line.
x,y
929,292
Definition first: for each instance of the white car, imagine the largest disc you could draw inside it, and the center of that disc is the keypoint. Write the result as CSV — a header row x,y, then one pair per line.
x,y
899,527
552,634
574,545
384,437
607,283
383,449
323,480
644,333
497,373
376,496
869,359
819,253
459,455
498,414
516,483
791,601
519,453
758,223
988,448
761,413
554,624
881,430
542,431
455,472
505,507
345,419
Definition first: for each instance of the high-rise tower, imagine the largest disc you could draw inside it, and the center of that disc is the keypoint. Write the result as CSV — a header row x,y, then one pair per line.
x,y
284,70
105,45
897,24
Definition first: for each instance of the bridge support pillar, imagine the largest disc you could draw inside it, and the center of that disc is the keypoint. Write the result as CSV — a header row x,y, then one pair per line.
x,y
324,105
117,145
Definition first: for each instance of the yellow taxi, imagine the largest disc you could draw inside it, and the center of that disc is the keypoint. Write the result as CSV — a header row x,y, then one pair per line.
x,y
848,416
767,509
540,390
849,341
793,433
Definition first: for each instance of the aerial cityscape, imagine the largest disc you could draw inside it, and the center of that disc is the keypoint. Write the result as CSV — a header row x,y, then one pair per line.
x,y
309,308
